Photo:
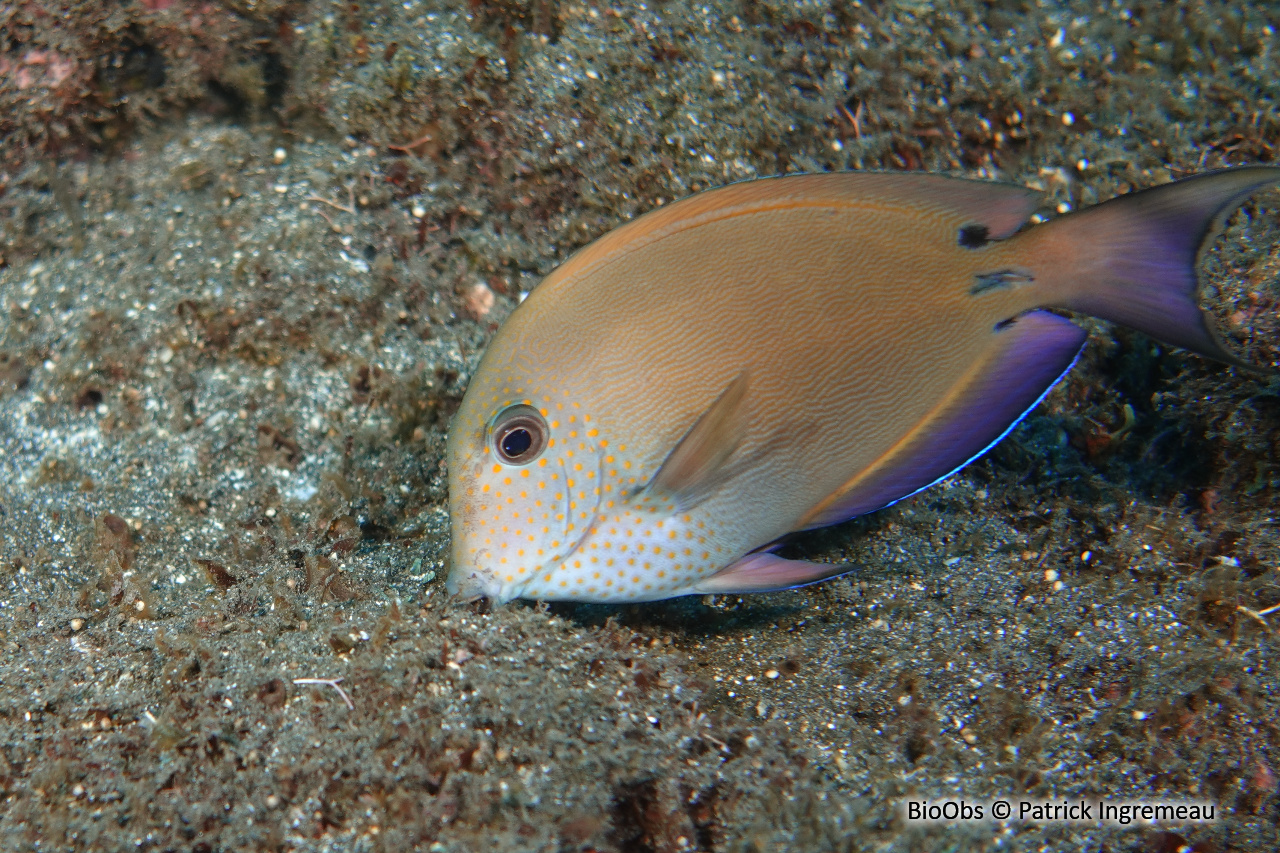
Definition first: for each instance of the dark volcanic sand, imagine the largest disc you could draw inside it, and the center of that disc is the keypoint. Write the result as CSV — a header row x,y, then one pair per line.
x,y
236,318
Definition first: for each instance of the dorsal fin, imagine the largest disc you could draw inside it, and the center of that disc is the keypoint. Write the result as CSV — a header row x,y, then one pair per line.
x,y
989,210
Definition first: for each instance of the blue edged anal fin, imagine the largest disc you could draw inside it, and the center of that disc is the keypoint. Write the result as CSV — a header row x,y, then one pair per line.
x,y
1032,352
763,571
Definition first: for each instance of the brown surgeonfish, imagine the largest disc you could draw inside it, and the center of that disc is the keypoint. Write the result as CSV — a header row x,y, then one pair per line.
x,y
785,354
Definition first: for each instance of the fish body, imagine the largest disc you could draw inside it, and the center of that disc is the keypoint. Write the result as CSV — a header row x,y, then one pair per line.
x,y
785,354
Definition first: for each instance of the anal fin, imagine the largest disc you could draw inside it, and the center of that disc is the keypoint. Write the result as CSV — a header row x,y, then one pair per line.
x,y
1030,354
767,572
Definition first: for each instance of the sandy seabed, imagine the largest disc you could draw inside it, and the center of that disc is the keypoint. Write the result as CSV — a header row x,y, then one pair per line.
x,y
249,255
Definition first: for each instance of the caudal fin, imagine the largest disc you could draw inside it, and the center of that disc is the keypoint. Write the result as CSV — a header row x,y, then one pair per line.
x,y
1137,255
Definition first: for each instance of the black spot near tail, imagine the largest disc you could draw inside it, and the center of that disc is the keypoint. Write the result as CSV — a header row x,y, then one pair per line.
x,y
974,236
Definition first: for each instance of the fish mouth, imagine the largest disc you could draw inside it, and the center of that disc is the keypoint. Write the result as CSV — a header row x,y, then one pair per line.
x,y
469,582
470,578
472,586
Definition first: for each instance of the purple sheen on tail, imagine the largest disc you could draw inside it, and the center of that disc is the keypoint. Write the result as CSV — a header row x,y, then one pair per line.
x,y
763,571
1150,244
1028,358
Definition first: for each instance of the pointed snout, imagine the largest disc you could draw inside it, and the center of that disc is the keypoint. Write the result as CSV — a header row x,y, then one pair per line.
x,y
468,579
465,577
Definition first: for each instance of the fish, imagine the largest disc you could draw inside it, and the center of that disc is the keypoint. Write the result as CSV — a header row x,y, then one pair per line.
x,y
784,354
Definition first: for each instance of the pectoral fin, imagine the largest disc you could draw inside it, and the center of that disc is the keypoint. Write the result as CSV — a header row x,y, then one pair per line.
x,y
698,460
766,572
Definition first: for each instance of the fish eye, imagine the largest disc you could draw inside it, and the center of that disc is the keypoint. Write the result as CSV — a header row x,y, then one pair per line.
x,y
518,435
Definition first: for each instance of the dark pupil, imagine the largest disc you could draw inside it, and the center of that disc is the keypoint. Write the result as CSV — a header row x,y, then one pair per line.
x,y
516,442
